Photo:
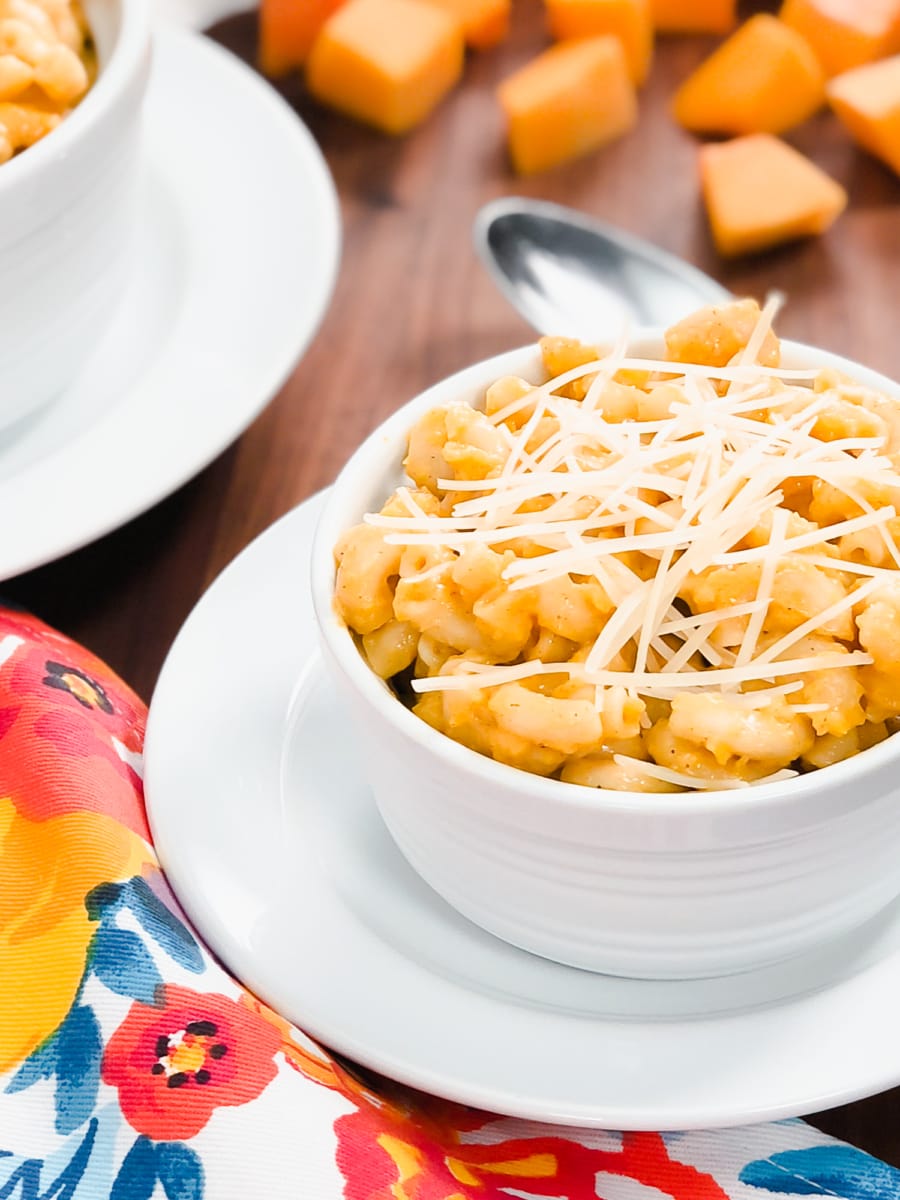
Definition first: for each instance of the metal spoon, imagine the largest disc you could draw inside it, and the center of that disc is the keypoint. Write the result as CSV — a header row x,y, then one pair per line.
x,y
567,273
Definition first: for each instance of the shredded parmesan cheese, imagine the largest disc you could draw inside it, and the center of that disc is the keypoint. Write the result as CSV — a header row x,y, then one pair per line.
x,y
717,511
725,468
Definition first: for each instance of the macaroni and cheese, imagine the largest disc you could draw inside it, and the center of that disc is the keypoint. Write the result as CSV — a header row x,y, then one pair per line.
x,y
642,574
46,66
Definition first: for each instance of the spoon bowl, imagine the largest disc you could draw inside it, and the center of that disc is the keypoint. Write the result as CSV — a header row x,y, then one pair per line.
x,y
567,273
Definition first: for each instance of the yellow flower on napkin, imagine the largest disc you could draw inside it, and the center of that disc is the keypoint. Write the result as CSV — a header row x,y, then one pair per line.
x,y
47,868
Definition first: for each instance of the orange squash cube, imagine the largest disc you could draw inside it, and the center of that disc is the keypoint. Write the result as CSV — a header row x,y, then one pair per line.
x,y
570,100
759,191
764,79
693,16
845,33
485,23
867,101
287,30
386,62
627,20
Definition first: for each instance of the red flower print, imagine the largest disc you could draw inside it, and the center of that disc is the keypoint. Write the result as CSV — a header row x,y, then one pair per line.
x,y
389,1153
87,691
176,1064
70,729
49,659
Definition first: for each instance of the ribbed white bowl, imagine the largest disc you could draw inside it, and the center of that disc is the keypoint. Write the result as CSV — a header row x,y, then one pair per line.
x,y
67,214
644,885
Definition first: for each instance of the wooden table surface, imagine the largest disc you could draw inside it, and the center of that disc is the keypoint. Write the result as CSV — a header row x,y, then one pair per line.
x,y
412,304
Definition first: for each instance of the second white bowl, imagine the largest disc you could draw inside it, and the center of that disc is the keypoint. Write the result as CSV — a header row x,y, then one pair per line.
x,y
643,885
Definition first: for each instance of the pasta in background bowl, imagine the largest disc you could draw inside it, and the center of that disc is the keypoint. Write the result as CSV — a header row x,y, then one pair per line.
x,y
633,875
46,66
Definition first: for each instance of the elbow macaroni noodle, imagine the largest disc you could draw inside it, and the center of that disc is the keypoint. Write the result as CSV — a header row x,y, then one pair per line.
x,y
440,596
46,66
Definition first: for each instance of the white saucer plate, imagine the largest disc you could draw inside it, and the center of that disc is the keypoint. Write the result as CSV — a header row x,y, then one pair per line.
x,y
236,259
264,822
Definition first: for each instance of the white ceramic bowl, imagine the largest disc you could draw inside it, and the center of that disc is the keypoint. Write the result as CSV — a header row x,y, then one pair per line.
x,y
644,885
67,219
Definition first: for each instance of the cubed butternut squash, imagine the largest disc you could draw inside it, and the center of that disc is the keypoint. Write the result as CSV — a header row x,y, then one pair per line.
x,y
764,79
845,33
867,101
287,30
485,23
571,99
759,191
693,16
627,20
386,62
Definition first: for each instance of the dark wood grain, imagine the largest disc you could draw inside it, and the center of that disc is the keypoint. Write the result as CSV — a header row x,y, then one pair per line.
x,y
412,304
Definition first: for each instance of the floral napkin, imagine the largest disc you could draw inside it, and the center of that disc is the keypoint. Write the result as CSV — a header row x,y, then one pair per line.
x,y
133,1066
